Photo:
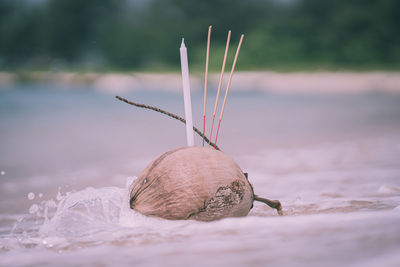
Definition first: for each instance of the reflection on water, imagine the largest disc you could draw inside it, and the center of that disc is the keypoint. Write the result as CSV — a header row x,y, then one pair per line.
x,y
332,160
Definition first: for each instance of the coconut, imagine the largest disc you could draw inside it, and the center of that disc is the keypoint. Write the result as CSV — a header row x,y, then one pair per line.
x,y
192,183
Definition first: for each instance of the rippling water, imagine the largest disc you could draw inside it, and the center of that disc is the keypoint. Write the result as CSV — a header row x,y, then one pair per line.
x,y
69,154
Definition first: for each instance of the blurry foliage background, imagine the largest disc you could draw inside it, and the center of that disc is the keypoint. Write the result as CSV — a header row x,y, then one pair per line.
x,y
146,34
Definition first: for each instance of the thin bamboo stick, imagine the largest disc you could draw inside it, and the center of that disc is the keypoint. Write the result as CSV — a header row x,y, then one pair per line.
x,y
228,86
205,81
220,81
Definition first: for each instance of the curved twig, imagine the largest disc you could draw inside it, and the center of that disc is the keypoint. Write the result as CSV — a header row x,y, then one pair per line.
x,y
168,114
275,204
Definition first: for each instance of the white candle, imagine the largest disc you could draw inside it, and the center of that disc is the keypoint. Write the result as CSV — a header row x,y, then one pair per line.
x,y
186,95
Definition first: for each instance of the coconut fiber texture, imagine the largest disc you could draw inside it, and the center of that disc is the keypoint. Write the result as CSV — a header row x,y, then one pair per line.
x,y
192,183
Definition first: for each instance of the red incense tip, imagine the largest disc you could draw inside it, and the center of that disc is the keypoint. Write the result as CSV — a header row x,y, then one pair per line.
x,y
204,127
216,137
212,126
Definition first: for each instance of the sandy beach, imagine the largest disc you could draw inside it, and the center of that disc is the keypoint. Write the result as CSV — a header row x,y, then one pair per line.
x,y
264,81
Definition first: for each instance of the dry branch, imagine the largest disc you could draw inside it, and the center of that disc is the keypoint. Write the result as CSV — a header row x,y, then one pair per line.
x,y
168,114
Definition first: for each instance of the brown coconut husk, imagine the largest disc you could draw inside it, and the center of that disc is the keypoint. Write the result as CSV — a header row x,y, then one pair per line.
x,y
192,183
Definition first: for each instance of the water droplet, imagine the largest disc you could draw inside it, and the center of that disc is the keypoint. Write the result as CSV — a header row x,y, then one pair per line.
x,y
2,173
40,195
31,196
34,208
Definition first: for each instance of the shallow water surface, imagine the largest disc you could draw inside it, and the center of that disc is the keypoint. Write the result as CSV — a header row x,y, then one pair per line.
x,y
68,156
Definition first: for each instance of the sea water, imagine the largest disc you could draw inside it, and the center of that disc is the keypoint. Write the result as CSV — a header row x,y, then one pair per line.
x,y
69,154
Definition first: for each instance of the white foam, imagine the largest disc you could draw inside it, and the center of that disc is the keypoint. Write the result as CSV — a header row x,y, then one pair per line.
x,y
389,190
129,181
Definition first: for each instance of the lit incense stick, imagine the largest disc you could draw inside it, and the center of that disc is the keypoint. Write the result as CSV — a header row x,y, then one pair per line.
x,y
220,81
228,86
186,95
205,81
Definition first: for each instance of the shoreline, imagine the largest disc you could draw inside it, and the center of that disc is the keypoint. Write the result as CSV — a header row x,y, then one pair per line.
x,y
262,81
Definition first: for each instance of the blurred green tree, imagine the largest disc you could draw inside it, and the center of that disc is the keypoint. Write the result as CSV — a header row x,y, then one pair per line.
x,y
146,34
